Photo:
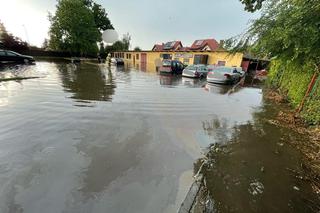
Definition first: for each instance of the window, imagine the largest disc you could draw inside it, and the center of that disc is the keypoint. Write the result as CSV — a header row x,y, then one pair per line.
x,y
137,56
129,56
2,53
186,60
200,59
221,63
180,65
166,56
203,68
166,63
11,54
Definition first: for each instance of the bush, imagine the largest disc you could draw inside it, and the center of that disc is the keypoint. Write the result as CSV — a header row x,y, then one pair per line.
x,y
293,79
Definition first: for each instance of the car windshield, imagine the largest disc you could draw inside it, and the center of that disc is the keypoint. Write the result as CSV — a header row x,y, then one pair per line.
x,y
191,67
223,69
11,53
166,63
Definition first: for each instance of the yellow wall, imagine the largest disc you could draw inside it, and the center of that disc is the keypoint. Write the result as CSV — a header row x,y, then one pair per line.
x,y
153,58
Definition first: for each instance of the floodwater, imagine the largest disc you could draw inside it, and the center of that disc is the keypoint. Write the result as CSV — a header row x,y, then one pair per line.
x,y
88,138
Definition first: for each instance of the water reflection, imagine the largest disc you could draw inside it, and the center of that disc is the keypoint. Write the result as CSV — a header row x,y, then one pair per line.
x,y
88,82
252,171
193,82
222,89
15,70
170,80
218,130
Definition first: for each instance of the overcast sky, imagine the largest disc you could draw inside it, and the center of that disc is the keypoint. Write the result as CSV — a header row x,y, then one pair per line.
x,y
148,21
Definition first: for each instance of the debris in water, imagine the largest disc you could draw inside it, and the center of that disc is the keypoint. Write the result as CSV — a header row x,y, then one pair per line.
x,y
256,188
296,188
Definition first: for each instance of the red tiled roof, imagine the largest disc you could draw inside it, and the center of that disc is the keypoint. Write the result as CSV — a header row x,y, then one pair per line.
x,y
169,46
200,44
184,49
157,47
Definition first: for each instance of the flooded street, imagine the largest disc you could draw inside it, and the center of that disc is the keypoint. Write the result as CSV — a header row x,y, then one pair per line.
x,y
86,138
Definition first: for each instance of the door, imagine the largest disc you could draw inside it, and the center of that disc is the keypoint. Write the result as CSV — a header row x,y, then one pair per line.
x,y
13,57
200,59
143,57
3,55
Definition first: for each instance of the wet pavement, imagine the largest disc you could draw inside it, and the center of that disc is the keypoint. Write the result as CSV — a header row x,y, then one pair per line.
x,y
86,138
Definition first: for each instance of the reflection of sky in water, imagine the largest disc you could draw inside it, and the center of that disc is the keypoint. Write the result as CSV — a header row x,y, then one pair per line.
x,y
85,137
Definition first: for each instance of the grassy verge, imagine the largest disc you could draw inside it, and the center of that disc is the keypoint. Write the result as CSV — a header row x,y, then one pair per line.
x,y
292,81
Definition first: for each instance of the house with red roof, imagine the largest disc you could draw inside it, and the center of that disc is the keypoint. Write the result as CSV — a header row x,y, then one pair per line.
x,y
157,47
205,45
169,46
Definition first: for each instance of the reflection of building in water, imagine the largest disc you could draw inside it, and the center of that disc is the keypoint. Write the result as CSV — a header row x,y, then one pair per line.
x,y
206,51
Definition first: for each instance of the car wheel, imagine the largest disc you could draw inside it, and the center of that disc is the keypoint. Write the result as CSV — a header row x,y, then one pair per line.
x,y
26,61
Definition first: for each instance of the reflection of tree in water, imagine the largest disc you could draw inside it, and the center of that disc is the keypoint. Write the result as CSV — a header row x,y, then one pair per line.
x,y
87,82
217,129
249,171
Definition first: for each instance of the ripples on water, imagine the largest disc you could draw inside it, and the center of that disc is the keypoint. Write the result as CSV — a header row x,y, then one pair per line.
x,y
87,138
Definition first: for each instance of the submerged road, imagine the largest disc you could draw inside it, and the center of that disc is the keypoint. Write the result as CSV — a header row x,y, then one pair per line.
x,y
85,138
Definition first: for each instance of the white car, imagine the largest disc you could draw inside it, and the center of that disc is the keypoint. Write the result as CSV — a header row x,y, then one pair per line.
x,y
225,75
195,71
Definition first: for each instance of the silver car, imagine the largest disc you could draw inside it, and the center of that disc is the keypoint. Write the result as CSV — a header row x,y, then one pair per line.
x,y
225,75
195,71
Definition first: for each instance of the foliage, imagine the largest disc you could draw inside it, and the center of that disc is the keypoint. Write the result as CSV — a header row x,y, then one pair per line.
x,y
252,5
76,26
100,15
293,79
137,49
126,39
288,29
288,33
121,45
101,48
45,44
8,41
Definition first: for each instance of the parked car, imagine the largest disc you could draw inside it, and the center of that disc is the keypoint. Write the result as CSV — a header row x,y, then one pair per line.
x,y
7,56
171,67
225,75
117,61
195,71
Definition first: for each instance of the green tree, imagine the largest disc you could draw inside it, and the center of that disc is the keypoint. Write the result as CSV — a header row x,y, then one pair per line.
x,y
45,44
76,26
287,29
252,5
121,45
126,39
8,41
100,15
137,49
288,33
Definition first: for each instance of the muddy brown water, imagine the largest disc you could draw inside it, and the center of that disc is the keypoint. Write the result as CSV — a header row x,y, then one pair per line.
x,y
86,138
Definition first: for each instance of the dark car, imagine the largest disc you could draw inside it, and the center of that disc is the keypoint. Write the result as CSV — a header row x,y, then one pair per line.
x,y
7,56
171,67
